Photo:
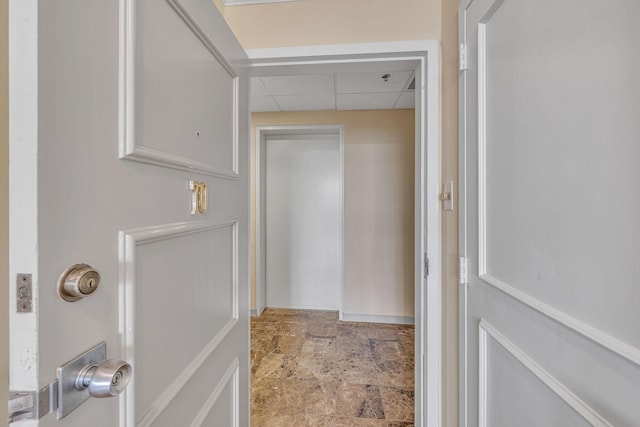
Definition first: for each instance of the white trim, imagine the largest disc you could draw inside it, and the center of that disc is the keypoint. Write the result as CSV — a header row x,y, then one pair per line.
x,y
599,337
482,153
23,191
156,157
129,240
430,144
378,318
427,291
301,54
232,373
341,201
129,148
464,4
260,140
463,296
255,313
482,139
563,392
231,3
483,380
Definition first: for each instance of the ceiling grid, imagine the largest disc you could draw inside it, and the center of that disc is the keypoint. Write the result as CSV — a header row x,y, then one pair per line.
x,y
338,91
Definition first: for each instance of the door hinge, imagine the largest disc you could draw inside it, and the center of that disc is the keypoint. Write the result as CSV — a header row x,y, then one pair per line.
x,y
426,266
462,272
462,50
33,405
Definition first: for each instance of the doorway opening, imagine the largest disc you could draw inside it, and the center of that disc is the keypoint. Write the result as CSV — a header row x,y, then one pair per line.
x,y
299,205
422,56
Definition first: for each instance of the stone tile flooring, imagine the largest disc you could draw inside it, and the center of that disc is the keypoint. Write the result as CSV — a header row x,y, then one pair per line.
x,y
309,369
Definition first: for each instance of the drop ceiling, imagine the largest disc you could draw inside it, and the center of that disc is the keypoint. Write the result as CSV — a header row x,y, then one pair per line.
x,y
378,90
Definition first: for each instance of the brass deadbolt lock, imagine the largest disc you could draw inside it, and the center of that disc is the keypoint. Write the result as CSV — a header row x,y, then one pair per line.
x,y
77,282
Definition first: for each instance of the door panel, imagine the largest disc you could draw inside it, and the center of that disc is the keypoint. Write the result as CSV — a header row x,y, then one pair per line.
x,y
508,376
202,298
163,38
303,222
551,160
556,142
173,294
221,401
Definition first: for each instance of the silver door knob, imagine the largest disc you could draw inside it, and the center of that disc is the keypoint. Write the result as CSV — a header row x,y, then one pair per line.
x,y
107,379
77,282
90,374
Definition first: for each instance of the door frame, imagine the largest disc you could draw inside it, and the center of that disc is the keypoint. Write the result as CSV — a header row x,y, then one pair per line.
x,y
462,223
426,53
261,134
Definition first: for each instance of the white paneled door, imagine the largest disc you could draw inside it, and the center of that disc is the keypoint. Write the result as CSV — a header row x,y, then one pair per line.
x,y
303,222
549,320
115,107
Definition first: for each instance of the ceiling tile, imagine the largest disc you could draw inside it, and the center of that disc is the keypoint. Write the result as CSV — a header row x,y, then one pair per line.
x,y
262,104
306,102
372,82
312,84
257,89
366,101
406,100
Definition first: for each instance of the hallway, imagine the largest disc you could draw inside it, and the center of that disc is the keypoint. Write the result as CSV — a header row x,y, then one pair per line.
x,y
309,369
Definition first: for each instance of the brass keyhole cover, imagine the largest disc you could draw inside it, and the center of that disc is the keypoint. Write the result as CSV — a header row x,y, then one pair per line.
x,y
77,282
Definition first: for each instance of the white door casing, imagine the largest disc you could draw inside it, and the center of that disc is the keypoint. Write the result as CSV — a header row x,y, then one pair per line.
x,y
304,221
550,201
261,135
424,55
115,107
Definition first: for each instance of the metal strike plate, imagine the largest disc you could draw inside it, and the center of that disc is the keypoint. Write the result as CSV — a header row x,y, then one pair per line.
x,y
24,294
21,406
32,405
447,196
69,397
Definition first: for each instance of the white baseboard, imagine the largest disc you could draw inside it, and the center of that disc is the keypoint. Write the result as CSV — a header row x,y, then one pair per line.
x,y
253,312
375,318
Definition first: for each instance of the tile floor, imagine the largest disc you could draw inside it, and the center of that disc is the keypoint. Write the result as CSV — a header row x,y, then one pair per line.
x,y
309,369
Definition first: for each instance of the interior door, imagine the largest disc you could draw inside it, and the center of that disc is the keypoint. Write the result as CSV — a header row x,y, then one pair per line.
x,y
116,107
303,222
550,154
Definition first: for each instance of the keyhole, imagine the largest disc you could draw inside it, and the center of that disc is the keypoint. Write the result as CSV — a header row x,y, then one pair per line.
x,y
198,133
88,284
116,378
